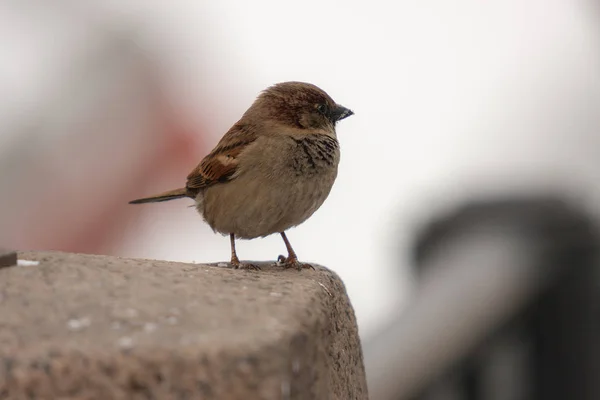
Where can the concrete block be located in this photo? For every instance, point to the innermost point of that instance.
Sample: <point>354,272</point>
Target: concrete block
<point>97,327</point>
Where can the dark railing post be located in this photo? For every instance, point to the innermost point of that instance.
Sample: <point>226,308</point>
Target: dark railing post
<point>506,308</point>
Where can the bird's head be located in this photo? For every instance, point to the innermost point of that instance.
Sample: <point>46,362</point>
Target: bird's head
<point>301,105</point>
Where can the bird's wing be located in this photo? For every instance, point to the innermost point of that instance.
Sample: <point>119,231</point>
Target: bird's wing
<point>221,164</point>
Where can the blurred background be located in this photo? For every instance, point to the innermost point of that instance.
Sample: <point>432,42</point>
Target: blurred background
<point>106,101</point>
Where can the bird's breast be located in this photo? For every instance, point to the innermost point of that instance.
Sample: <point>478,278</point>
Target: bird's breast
<point>280,189</point>
<point>313,154</point>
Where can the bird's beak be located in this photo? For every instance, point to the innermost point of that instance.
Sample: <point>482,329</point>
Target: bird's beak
<point>340,112</point>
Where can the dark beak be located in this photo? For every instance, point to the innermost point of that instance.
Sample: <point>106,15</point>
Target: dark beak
<point>340,112</point>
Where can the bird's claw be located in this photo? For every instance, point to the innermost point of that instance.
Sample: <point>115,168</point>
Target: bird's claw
<point>248,266</point>
<point>286,263</point>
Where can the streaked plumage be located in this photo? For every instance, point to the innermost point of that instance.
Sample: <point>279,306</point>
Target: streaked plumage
<point>272,170</point>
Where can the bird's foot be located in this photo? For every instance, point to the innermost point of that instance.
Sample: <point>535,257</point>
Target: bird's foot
<point>236,264</point>
<point>287,262</point>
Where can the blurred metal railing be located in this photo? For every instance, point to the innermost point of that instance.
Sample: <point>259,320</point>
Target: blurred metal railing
<point>506,309</point>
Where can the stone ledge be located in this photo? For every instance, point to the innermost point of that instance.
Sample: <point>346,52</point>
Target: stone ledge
<point>97,327</point>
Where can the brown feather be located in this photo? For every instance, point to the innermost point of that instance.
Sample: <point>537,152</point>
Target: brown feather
<point>221,164</point>
<point>165,196</point>
<point>291,110</point>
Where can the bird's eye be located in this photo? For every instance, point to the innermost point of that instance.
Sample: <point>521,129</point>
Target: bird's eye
<point>322,108</point>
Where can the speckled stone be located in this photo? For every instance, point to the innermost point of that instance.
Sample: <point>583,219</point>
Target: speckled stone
<point>96,327</point>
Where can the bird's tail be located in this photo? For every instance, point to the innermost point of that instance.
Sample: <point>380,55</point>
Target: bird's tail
<point>166,196</point>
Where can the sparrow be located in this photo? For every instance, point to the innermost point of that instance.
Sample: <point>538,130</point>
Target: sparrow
<point>271,171</point>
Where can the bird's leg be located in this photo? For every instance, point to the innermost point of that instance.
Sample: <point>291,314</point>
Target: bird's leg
<point>235,261</point>
<point>291,261</point>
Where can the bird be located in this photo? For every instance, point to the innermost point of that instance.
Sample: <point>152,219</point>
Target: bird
<point>270,171</point>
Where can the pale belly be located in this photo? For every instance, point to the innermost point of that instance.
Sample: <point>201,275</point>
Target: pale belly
<point>251,206</point>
